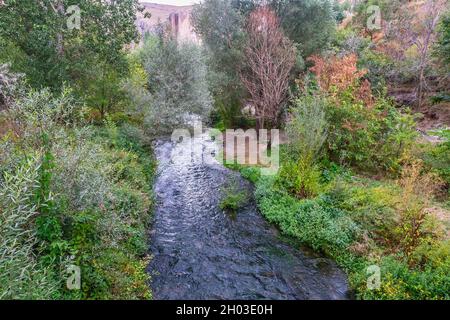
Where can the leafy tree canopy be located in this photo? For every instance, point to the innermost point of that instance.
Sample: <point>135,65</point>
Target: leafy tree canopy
<point>38,30</point>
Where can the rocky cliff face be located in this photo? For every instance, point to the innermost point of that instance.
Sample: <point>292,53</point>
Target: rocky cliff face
<point>177,17</point>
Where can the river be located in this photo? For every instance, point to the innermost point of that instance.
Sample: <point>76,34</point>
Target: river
<point>201,252</point>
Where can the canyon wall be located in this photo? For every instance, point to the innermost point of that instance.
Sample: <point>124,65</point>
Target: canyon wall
<point>177,17</point>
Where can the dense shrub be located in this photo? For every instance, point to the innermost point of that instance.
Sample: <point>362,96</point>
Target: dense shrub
<point>52,55</point>
<point>399,282</point>
<point>110,184</point>
<point>438,157</point>
<point>22,275</point>
<point>307,127</point>
<point>301,178</point>
<point>312,221</point>
<point>371,205</point>
<point>364,131</point>
<point>81,197</point>
<point>40,111</point>
<point>370,138</point>
<point>306,131</point>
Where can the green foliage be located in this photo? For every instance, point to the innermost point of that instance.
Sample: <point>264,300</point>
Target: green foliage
<point>228,112</point>
<point>84,197</point>
<point>442,49</point>
<point>332,171</point>
<point>348,41</point>
<point>35,39</point>
<point>379,65</point>
<point>311,24</point>
<point>177,84</point>
<point>22,276</point>
<point>251,173</point>
<point>48,223</point>
<point>307,128</point>
<point>371,206</point>
<point>43,111</point>
<point>314,222</point>
<point>233,198</point>
<point>109,204</point>
<point>379,68</point>
<point>300,178</point>
<point>72,193</point>
<point>40,31</point>
<point>9,53</point>
<point>355,222</point>
<point>339,9</point>
<point>135,88</point>
<point>306,131</point>
<point>399,282</point>
<point>440,97</point>
<point>101,87</point>
<point>361,222</point>
<point>220,26</point>
<point>369,137</point>
<point>438,158</point>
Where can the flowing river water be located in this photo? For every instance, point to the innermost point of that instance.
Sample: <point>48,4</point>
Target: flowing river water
<point>201,252</point>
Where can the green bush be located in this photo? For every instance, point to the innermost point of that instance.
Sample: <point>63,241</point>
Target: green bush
<point>227,112</point>
<point>379,68</point>
<point>22,274</point>
<point>370,205</point>
<point>438,158</point>
<point>82,197</point>
<point>233,198</point>
<point>442,47</point>
<point>312,221</point>
<point>306,131</point>
<point>307,128</point>
<point>370,138</point>
<point>324,228</point>
<point>40,111</point>
<point>300,178</point>
<point>251,173</point>
<point>400,282</point>
<point>116,191</point>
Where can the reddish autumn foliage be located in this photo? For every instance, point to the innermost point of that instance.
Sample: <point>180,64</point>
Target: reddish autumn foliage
<point>336,75</point>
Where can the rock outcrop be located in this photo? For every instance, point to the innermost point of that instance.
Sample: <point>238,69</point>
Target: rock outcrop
<point>177,17</point>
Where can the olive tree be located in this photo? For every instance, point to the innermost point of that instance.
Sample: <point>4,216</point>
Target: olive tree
<point>177,85</point>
